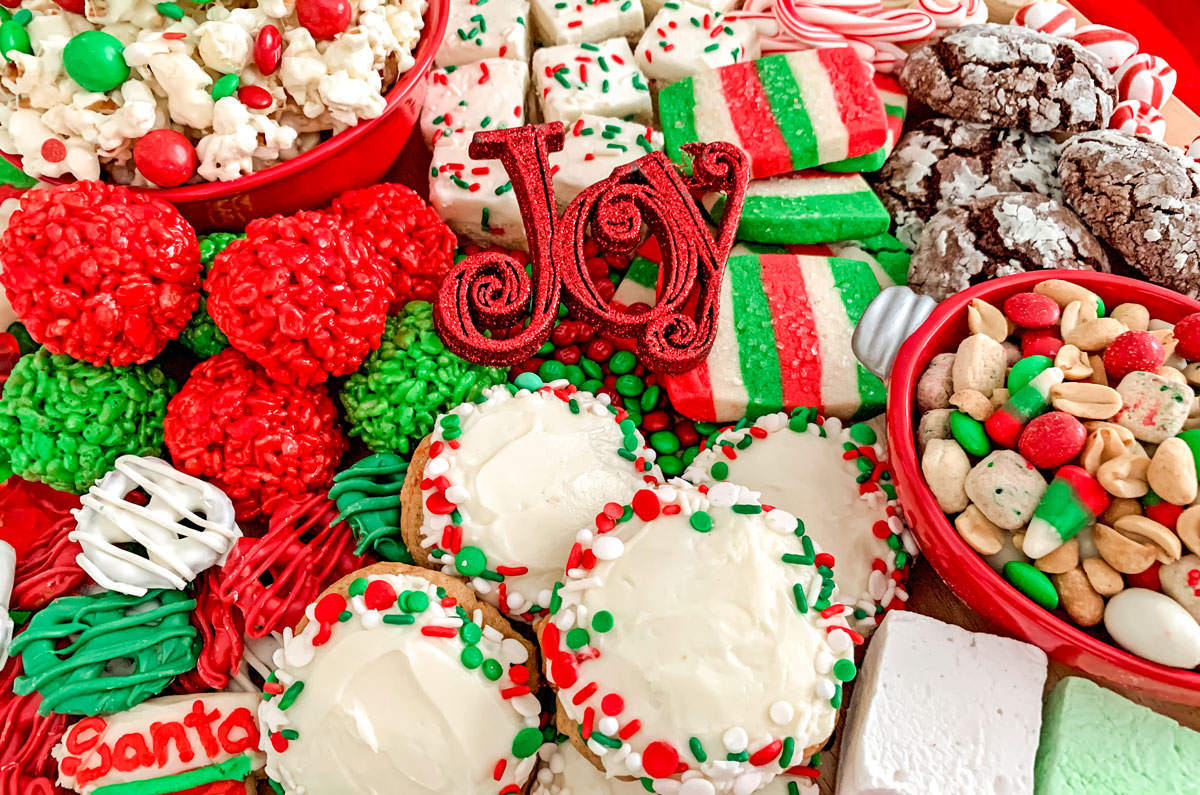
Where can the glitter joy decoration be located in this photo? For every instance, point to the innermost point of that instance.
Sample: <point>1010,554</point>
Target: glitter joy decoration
<point>491,291</point>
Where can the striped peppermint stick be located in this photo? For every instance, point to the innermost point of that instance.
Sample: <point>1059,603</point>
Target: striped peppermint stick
<point>788,112</point>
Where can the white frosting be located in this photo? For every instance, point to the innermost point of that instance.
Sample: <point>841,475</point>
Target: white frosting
<point>488,95</point>
<point>577,21</point>
<point>707,641</point>
<point>571,81</point>
<point>592,147</point>
<point>488,214</point>
<point>388,710</point>
<point>680,41</point>
<point>806,474</point>
<point>504,32</point>
<point>564,771</point>
<point>527,474</point>
<point>187,526</point>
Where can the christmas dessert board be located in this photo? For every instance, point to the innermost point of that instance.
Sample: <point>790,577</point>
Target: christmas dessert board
<point>564,467</point>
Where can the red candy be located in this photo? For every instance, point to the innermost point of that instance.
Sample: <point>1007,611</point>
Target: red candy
<point>300,296</point>
<point>1133,350</point>
<point>27,765</point>
<point>324,19</point>
<point>259,440</point>
<point>1032,310</point>
<point>660,759</point>
<point>220,628</point>
<point>74,6</point>
<point>406,232</point>
<point>268,49</point>
<point>1040,342</point>
<point>255,97</point>
<point>30,513</point>
<point>271,579</point>
<point>1187,335</point>
<point>1146,579</point>
<point>99,272</point>
<point>165,158</point>
<point>1052,439</point>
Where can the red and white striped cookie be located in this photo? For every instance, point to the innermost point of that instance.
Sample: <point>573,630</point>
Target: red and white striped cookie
<point>1136,117</point>
<point>1114,47</point>
<point>1052,19</point>
<point>1147,78</point>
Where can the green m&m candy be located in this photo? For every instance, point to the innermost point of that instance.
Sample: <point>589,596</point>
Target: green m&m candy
<point>13,36</point>
<point>96,60</point>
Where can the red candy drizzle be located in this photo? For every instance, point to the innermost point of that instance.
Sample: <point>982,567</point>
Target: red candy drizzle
<point>26,739</point>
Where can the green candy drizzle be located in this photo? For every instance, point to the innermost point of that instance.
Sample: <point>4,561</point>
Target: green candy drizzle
<point>368,498</point>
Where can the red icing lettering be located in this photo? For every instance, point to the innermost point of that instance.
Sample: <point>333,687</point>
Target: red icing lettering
<point>202,721</point>
<point>86,775</point>
<point>240,719</point>
<point>161,735</point>
<point>131,752</point>
<point>79,741</point>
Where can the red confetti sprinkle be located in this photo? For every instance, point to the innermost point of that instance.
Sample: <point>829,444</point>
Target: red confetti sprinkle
<point>54,150</point>
<point>646,505</point>
<point>379,595</point>
<point>660,759</point>
<point>99,272</point>
<point>258,440</point>
<point>612,704</point>
<point>301,296</point>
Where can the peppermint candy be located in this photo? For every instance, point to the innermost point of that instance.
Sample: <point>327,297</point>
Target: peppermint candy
<point>1049,18</point>
<point>1136,117</point>
<point>1193,150</point>
<point>1114,47</point>
<point>955,13</point>
<point>1147,78</point>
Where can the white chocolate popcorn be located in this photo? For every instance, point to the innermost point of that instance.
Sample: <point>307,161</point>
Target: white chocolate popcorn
<point>224,46</point>
<point>238,137</point>
<point>23,133</point>
<point>187,87</point>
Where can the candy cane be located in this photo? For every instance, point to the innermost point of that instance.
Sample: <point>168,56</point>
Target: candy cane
<point>1145,77</point>
<point>1114,47</point>
<point>902,25</point>
<point>1138,118</point>
<point>1044,17</point>
<point>951,14</point>
<point>1193,150</point>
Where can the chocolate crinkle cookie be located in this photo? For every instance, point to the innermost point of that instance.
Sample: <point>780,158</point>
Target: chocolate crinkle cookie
<point>943,163</point>
<point>1142,198</point>
<point>1011,76</point>
<point>996,236</point>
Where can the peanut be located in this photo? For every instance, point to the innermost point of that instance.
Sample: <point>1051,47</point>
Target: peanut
<point>1167,337</point>
<point>1171,374</point>
<point>1144,530</point>
<point>979,364</point>
<point>1126,435</point>
<point>1073,314</point>
<point>1078,597</point>
<point>1102,446</point>
<point>1065,558</point>
<point>1099,374</point>
<point>1135,316</point>
<point>1095,335</point>
<point>1086,401</point>
<point>1104,578</point>
<point>978,531</point>
<point>983,318</point>
<point>1118,507</point>
<point>1172,472</point>
<point>945,466</point>
<point>1073,362</point>
<point>1064,292</point>
<point>972,403</point>
<point>1125,475</point>
<point>1123,554</point>
<point>1188,528</point>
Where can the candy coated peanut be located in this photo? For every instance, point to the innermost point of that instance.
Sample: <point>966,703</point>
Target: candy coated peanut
<point>1032,310</point>
<point>1006,488</point>
<point>1154,626</point>
<point>969,433</point>
<point>1172,472</point>
<point>1052,439</point>
<point>979,364</point>
<point>979,533</point>
<point>1031,582</point>
<point>1133,350</point>
<point>1040,342</point>
<point>937,383</point>
<point>945,467</point>
<point>1187,337</point>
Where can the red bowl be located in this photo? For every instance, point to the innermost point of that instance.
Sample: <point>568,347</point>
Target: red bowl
<point>352,159</point>
<point>967,574</point>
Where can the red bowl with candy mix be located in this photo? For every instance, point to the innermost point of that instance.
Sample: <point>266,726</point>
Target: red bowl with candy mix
<point>354,158</point>
<point>966,572</point>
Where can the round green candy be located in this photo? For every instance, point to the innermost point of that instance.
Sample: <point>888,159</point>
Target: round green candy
<point>1192,440</point>
<point>575,375</point>
<point>629,385</point>
<point>670,465</point>
<point>526,743</point>
<point>863,433</point>
<point>96,60</point>
<point>470,561</point>
<point>169,10</point>
<point>1032,582</point>
<point>23,17</point>
<point>13,36</point>
<point>665,442</point>
<point>969,433</point>
<point>5,14</point>
<point>552,370</point>
<point>225,86</point>
<point>622,362</point>
<point>530,381</point>
<point>1024,371</point>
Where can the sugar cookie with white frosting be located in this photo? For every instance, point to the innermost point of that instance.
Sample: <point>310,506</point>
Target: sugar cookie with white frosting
<point>185,526</point>
<point>498,491</point>
<point>834,478</point>
<point>692,643</point>
<point>400,682</point>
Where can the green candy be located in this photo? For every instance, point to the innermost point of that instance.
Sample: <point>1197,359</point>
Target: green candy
<point>969,433</point>
<point>393,399</point>
<point>664,442</point>
<point>67,648</point>
<point>169,10</point>
<point>1025,369</point>
<point>224,87</point>
<point>96,60</point>
<point>5,15</point>
<point>671,466</point>
<point>13,36</point>
<point>1032,582</point>
<point>470,561</point>
<point>65,422</point>
<point>368,499</point>
<point>201,334</point>
<point>1192,440</point>
<point>11,175</point>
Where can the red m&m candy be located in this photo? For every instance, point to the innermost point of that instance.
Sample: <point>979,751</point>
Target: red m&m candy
<point>1133,350</point>
<point>268,49</point>
<point>1187,332</point>
<point>324,19</point>
<point>165,158</point>
<point>1040,342</point>
<point>1051,440</point>
<point>1032,310</point>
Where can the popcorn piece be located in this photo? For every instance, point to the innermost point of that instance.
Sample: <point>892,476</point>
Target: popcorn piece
<point>495,29</point>
<point>685,38</point>
<point>474,197</point>
<point>224,46</point>
<point>576,21</point>
<point>593,147</point>
<point>187,86</point>
<point>238,138</point>
<point>602,79</point>
<point>977,697</point>
<point>44,153</point>
<point>482,96</point>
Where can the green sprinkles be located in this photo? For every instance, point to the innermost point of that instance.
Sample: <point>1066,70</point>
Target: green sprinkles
<point>602,621</point>
<point>719,470</point>
<point>577,638</point>
<point>398,620</point>
<point>526,743</point>
<point>697,749</point>
<point>800,598</point>
<point>701,522</point>
<point>492,669</point>
<point>290,695</point>
<point>844,670</point>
